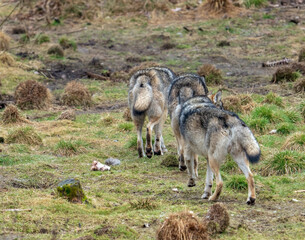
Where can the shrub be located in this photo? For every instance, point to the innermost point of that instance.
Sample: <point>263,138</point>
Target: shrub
<point>56,50</point>
<point>4,42</point>
<point>237,182</point>
<point>211,74</point>
<point>273,98</point>
<point>286,162</point>
<point>218,6</point>
<point>184,226</point>
<point>12,115</point>
<point>285,74</point>
<point>76,94</point>
<point>32,95</point>
<point>24,135</point>
<point>7,59</point>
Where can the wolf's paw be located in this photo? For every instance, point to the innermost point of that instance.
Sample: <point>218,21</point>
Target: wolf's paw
<point>149,152</point>
<point>191,183</point>
<point>206,195</point>
<point>158,152</point>
<point>212,199</point>
<point>182,168</point>
<point>251,201</point>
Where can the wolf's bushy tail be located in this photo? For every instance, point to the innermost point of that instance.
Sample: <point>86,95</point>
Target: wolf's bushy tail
<point>196,83</point>
<point>143,98</point>
<point>250,145</point>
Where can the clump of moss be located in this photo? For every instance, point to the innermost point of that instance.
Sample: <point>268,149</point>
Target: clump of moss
<point>42,38</point>
<point>67,115</point>
<point>295,142</point>
<point>12,115</point>
<point>285,74</point>
<point>24,135</point>
<point>217,219</point>
<point>76,94</point>
<point>143,65</point>
<point>32,95</point>
<point>56,50</point>
<point>211,74</point>
<point>66,43</point>
<point>273,98</point>
<point>170,161</point>
<point>299,86</point>
<point>146,203</point>
<point>302,55</point>
<point>127,115</point>
<point>287,162</point>
<point>4,42</point>
<point>237,182</point>
<point>7,59</point>
<point>71,189</point>
<point>182,225</point>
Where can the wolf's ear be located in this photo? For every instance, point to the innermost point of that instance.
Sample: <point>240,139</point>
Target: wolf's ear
<point>217,97</point>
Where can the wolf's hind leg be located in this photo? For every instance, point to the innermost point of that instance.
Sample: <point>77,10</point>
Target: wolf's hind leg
<point>139,124</point>
<point>150,126</point>
<point>189,158</point>
<point>243,164</point>
<point>214,164</point>
<point>208,182</point>
<point>158,139</point>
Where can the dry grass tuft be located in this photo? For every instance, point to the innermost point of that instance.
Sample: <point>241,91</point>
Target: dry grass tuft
<point>12,115</point>
<point>127,115</point>
<point>4,42</point>
<point>217,219</point>
<point>285,74</point>
<point>182,226</point>
<point>143,65</point>
<point>7,59</point>
<point>298,67</point>
<point>32,95</point>
<point>296,142</point>
<point>211,74</point>
<point>56,50</point>
<point>76,94</point>
<point>67,115</point>
<point>146,203</point>
<point>299,85</point>
<point>24,135</point>
<point>242,103</point>
<point>218,6</point>
<point>302,55</point>
<point>170,161</point>
<point>107,120</point>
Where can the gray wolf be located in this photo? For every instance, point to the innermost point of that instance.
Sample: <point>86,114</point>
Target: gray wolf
<point>147,96</point>
<point>215,133</point>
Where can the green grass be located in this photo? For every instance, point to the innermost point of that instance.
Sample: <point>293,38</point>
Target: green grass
<point>285,128</point>
<point>237,182</point>
<point>42,38</point>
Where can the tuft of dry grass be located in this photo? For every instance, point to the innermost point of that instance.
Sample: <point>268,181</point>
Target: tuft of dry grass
<point>7,59</point>
<point>4,42</point>
<point>232,103</point>
<point>285,74</point>
<point>182,226</point>
<point>295,142</point>
<point>32,95</point>
<point>12,115</point>
<point>299,85</point>
<point>146,203</point>
<point>170,161</point>
<point>211,74</point>
<point>302,55</point>
<point>56,50</point>
<point>218,6</point>
<point>76,94</point>
<point>24,135</point>
<point>127,115</point>
<point>67,115</point>
<point>143,65</point>
<point>217,219</point>
<point>298,67</point>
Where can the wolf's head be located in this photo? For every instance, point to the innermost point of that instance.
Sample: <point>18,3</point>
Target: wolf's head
<point>216,99</point>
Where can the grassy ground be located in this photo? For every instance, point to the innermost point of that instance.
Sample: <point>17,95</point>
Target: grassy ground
<point>139,191</point>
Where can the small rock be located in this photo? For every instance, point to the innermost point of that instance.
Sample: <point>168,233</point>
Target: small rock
<point>112,161</point>
<point>273,131</point>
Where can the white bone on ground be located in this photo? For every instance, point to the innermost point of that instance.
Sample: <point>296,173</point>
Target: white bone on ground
<point>97,166</point>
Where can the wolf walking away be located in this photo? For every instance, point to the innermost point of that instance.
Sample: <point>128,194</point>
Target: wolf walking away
<point>214,133</point>
<point>147,96</point>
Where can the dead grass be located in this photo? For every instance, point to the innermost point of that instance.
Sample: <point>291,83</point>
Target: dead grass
<point>182,226</point>
<point>24,135</point>
<point>127,115</point>
<point>12,115</point>
<point>302,55</point>
<point>298,67</point>
<point>217,7</point>
<point>7,59</point>
<point>143,65</point>
<point>217,219</point>
<point>146,203</point>
<point>242,103</point>
<point>56,50</point>
<point>67,115</point>
<point>76,94</point>
<point>295,142</point>
<point>299,85</point>
<point>4,42</point>
<point>170,161</point>
<point>211,74</point>
<point>285,74</point>
<point>32,95</point>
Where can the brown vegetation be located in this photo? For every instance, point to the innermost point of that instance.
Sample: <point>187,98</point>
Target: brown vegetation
<point>295,142</point>
<point>241,103</point>
<point>12,115</point>
<point>182,226</point>
<point>211,74</point>
<point>285,74</point>
<point>4,42</point>
<point>24,135</point>
<point>7,59</point>
<point>76,94</point>
<point>67,115</point>
<point>299,85</point>
<point>127,115</point>
<point>32,95</point>
<point>298,67</point>
<point>218,6</point>
<point>56,50</point>
<point>302,55</point>
<point>217,219</point>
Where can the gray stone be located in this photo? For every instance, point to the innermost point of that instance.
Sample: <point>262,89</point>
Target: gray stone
<point>112,161</point>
